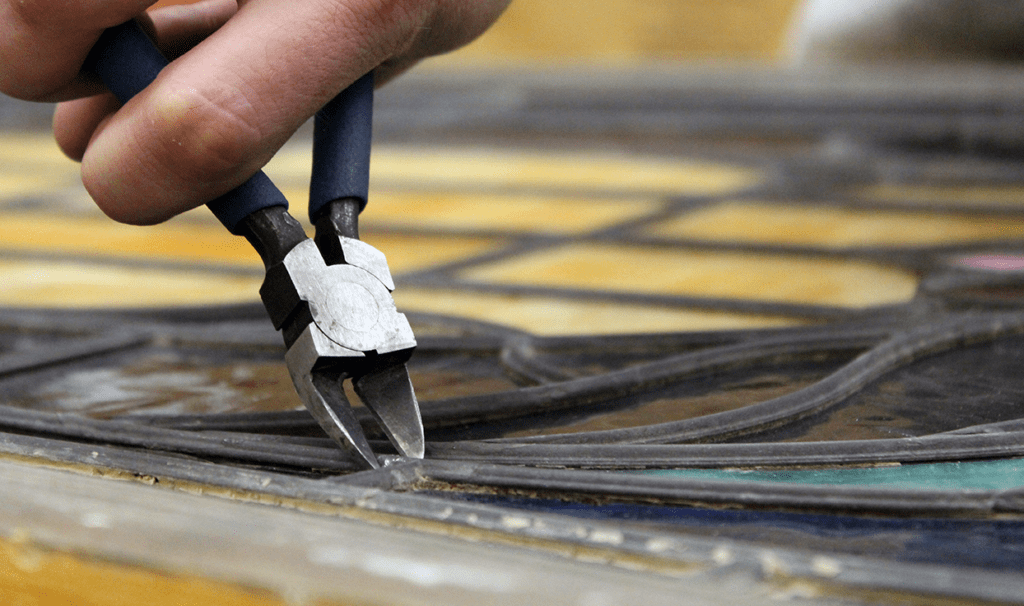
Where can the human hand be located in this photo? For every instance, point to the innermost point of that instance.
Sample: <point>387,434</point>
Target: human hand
<point>246,75</point>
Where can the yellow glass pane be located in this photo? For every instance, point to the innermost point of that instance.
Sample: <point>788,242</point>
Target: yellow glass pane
<point>415,252</point>
<point>966,196</point>
<point>83,285</point>
<point>556,316</point>
<point>832,227</point>
<point>576,171</point>
<point>34,150</point>
<point>501,212</point>
<point>32,165</point>
<point>297,196</point>
<point>471,168</point>
<point>98,235</point>
<point>779,278</point>
<point>432,209</point>
<point>18,185</point>
<point>205,241</point>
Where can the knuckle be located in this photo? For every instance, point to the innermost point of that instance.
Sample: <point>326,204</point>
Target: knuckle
<point>176,148</point>
<point>31,82</point>
<point>35,13</point>
<point>54,15</point>
<point>385,26</point>
<point>203,140</point>
<point>398,14</point>
<point>19,63</point>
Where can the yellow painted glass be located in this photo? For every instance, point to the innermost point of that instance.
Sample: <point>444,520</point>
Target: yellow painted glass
<point>407,253</point>
<point>778,278</point>
<point>502,212</point>
<point>559,316</point>
<point>19,150</point>
<point>31,164</point>
<point>96,235</point>
<point>186,240</point>
<point>488,211</point>
<point>459,168</point>
<point>74,284</point>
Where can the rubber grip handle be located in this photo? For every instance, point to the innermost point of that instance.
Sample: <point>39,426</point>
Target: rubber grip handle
<point>342,131</point>
<point>127,61</point>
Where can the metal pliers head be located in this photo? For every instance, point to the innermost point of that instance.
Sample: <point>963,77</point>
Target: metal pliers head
<point>331,299</point>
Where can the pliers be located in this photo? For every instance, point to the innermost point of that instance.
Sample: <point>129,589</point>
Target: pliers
<point>330,296</point>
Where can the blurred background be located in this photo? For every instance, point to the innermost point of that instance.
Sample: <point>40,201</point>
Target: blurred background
<point>623,32</point>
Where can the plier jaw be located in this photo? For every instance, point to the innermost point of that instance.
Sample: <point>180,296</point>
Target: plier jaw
<point>317,372</point>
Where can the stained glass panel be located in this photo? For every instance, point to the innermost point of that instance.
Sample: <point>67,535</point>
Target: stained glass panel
<point>723,326</point>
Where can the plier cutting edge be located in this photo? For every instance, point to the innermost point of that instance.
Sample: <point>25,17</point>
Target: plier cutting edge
<point>330,296</point>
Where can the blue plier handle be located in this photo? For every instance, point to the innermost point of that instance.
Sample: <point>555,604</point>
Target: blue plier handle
<point>331,296</point>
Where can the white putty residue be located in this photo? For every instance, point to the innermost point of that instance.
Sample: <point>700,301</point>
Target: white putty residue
<point>419,572</point>
<point>95,519</point>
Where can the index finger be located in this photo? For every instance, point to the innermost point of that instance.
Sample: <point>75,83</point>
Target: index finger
<point>218,113</point>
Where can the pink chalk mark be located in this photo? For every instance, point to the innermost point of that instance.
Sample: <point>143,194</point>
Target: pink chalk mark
<point>994,262</point>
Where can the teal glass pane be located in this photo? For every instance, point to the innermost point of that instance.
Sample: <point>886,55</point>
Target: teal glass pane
<point>968,475</point>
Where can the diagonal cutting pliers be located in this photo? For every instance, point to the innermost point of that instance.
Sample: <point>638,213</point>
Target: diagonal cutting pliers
<point>330,296</point>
